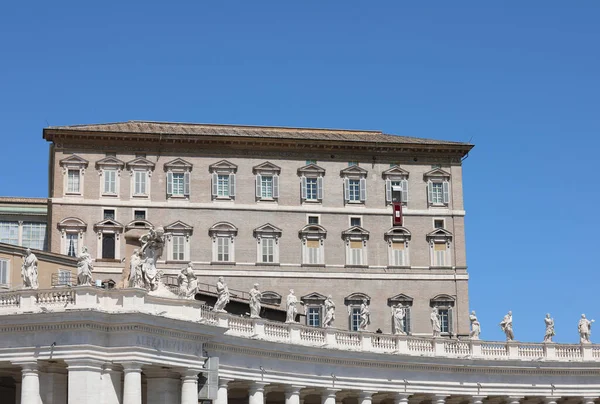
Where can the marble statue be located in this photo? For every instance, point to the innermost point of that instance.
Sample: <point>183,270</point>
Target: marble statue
<point>136,277</point>
<point>475,326</point>
<point>188,284</point>
<point>291,310</point>
<point>365,316</point>
<point>222,296</point>
<point>29,270</point>
<point>399,317</point>
<point>549,328</point>
<point>507,326</point>
<point>436,324</point>
<point>329,312</point>
<point>152,248</point>
<point>585,329</point>
<point>255,306</point>
<point>84,268</point>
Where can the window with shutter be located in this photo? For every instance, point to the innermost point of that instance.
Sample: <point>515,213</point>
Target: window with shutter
<point>363,189</point>
<point>110,182</point>
<point>3,272</point>
<point>169,183</point>
<point>438,187</point>
<point>223,180</point>
<point>231,185</point>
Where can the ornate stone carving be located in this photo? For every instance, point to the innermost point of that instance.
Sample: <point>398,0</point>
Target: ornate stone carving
<point>549,328</point>
<point>365,316</point>
<point>475,326</point>
<point>222,296</point>
<point>436,324</point>
<point>255,297</point>
<point>399,317</point>
<point>152,248</point>
<point>291,310</point>
<point>188,284</point>
<point>136,277</point>
<point>29,270</point>
<point>329,306</point>
<point>585,329</point>
<point>84,268</point>
<point>507,326</point>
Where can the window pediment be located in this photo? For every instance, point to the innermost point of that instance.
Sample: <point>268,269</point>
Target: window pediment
<point>442,300</point>
<point>270,297</point>
<point>398,233</point>
<point>72,223</point>
<point>267,230</point>
<point>353,171</point>
<point>178,164</point>
<point>314,297</point>
<point>311,170</point>
<point>140,163</point>
<point>400,299</point>
<point>74,161</point>
<point>436,173</point>
<point>222,228</point>
<point>179,227</point>
<point>108,224</point>
<point>313,230</point>
<point>395,172</point>
<point>110,162</point>
<point>439,235</point>
<point>223,166</point>
<point>139,224</point>
<point>266,168</point>
<point>355,232</point>
<point>357,298</point>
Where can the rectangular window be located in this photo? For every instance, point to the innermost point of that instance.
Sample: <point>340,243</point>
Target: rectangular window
<point>355,221</point>
<point>223,185</point>
<point>3,272</point>
<point>266,186</point>
<point>223,249</point>
<point>399,254</point>
<point>178,248</point>
<point>110,181</point>
<point>352,163</point>
<point>437,193</point>
<point>313,317</point>
<point>439,251</point>
<point>73,183</point>
<point>268,249</point>
<point>438,223</point>
<point>9,233</point>
<point>313,251</point>
<point>308,162</point>
<point>354,319</point>
<point>139,215</point>
<point>178,184</point>
<point>34,235</point>
<point>72,244</point>
<point>109,214</point>
<point>354,190</point>
<point>140,178</point>
<point>311,189</point>
<point>356,249</point>
<point>313,220</point>
<point>64,277</point>
<point>444,320</point>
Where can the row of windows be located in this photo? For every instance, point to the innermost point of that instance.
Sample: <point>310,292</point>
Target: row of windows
<point>223,177</point>
<point>25,234</point>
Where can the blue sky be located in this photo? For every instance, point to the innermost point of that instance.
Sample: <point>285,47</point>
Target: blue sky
<point>521,81</point>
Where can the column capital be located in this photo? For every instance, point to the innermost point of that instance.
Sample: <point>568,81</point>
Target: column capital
<point>132,366</point>
<point>402,398</point>
<point>551,399</point>
<point>189,374</point>
<point>366,394</point>
<point>439,398</point>
<point>257,386</point>
<point>589,399</point>
<point>30,366</point>
<point>330,391</point>
<point>84,364</point>
<point>293,388</point>
<point>514,399</point>
<point>224,381</point>
<point>477,399</point>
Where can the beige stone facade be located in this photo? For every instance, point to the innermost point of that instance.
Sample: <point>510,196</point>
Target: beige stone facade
<point>83,157</point>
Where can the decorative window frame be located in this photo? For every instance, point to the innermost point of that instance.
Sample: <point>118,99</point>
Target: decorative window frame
<point>178,228</point>
<point>437,175</point>
<point>353,301</point>
<point>314,300</point>
<point>223,229</point>
<point>406,302</point>
<point>266,169</point>
<point>178,166</point>
<point>140,164</point>
<point>267,231</point>
<point>110,163</point>
<point>313,232</point>
<point>7,265</point>
<point>356,234</point>
<point>445,302</point>
<point>393,174</point>
<point>71,225</point>
<point>271,298</point>
<point>139,224</point>
<point>223,167</point>
<point>311,171</point>
<point>354,172</point>
<point>73,162</point>
<point>133,210</point>
<point>398,235</point>
<point>108,226</point>
<point>440,236</point>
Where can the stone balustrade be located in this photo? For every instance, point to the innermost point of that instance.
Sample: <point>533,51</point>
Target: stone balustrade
<point>140,301</point>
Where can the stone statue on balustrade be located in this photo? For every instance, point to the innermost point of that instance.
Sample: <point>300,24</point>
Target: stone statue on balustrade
<point>136,276</point>
<point>329,307</point>
<point>84,268</point>
<point>29,270</point>
<point>585,329</point>
<point>365,316</point>
<point>255,300</point>
<point>475,326</point>
<point>549,328</point>
<point>152,248</point>
<point>222,296</point>
<point>436,324</point>
<point>290,307</point>
<point>188,284</point>
<point>399,317</point>
<point>507,326</point>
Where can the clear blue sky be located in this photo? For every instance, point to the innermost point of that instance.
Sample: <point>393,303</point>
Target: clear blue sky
<point>520,80</point>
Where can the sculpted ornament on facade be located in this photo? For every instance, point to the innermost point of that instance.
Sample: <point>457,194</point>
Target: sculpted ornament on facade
<point>255,297</point>
<point>475,326</point>
<point>136,277</point>
<point>29,270</point>
<point>549,328</point>
<point>365,316</point>
<point>436,325</point>
<point>188,284</point>
<point>507,327</point>
<point>222,296</point>
<point>399,317</point>
<point>152,248</point>
<point>84,268</point>
<point>329,306</point>
<point>585,329</point>
<point>291,310</point>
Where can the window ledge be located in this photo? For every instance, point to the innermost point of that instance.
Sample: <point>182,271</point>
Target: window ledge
<point>440,267</point>
<point>140,196</point>
<point>107,260</point>
<point>355,266</point>
<point>111,195</point>
<point>313,265</point>
<point>177,261</point>
<point>438,205</point>
<point>222,198</point>
<point>267,264</point>
<point>358,203</point>
<point>222,263</point>
<point>178,197</point>
<point>312,201</point>
<point>269,200</point>
<point>73,193</point>
<point>398,267</point>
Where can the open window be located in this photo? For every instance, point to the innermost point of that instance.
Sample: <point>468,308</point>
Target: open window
<point>72,233</point>
<point>108,232</point>
<point>396,185</point>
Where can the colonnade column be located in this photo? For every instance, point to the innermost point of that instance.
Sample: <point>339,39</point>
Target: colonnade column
<point>550,400</point>
<point>477,399</point>
<point>189,386</point>
<point>589,400</point>
<point>132,383</point>
<point>439,399</point>
<point>402,398</point>
<point>222,390</point>
<point>257,393</point>
<point>112,388</point>
<point>30,382</point>
<point>162,386</point>
<point>53,384</point>
<point>366,397</point>
<point>85,380</point>
<point>328,396</point>
<point>18,391</point>
<point>292,394</point>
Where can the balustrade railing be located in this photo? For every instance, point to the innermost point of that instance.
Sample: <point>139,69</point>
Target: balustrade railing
<point>312,335</point>
<point>421,346</point>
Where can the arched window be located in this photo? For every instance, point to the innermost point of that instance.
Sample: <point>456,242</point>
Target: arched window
<point>72,233</point>
<point>445,306</point>
<point>439,246</point>
<point>355,239</point>
<point>313,238</point>
<point>397,239</point>
<point>223,235</point>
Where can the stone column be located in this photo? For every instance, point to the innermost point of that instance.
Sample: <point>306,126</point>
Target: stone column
<point>514,399</point>
<point>85,380</point>
<point>402,398</point>
<point>18,391</point>
<point>256,393</point>
<point>222,390</point>
<point>439,399</point>
<point>366,397</point>
<point>112,388</point>
<point>589,400</point>
<point>53,385</point>
<point>328,396</point>
<point>30,383</point>
<point>551,400</point>
<point>477,399</point>
<point>189,386</point>
<point>162,386</point>
<point>292,394</point>
<point>132,389</point>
